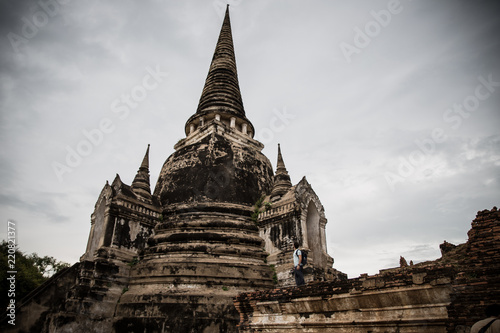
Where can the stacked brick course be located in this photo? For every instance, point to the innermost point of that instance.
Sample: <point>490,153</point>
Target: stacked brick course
<point>408,299</point>
<point>445,295</point>
<point>478,282</point>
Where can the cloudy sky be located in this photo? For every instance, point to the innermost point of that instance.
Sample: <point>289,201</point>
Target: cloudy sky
<point>389,108</point>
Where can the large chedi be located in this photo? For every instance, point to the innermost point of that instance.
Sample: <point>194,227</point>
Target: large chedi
<point>206,248</point>
<point>219,223</point>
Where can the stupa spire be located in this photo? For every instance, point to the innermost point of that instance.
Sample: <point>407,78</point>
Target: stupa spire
<point>221,94</point>
<point>140,186</point>
<point>282,182</point>
<point>281,164</point>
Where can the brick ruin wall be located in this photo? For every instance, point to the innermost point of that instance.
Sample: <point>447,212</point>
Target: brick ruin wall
<point>445,295</point>
<point>477,262</point>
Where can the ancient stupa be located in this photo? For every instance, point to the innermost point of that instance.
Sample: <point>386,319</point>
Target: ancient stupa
<point>219,223</point>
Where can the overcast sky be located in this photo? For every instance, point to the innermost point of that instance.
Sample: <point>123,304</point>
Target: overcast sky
<point>389,108</point>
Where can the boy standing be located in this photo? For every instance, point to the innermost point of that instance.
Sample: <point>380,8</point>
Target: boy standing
<point>297,266</point>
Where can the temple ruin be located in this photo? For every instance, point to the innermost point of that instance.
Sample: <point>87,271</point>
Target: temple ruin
<point>210,248</point>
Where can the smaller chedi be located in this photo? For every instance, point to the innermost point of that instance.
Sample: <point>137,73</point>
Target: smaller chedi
<point>295,213</point>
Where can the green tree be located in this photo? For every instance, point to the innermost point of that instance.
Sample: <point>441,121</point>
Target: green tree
<point>47,266</point>
<point>31,272</point>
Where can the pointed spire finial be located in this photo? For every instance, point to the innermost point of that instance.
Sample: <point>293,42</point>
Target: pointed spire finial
<point>145,160</point>
<point>221,93</point>
<point>222,89</point>
<point>280,164</point>
<point>140,185</point>
<point>282,182</point>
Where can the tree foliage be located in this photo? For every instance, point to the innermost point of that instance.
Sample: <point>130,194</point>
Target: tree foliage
<point>47,266</point>
<point>31,271</point>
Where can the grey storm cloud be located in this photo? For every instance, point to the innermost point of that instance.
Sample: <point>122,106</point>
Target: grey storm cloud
<point>355,118</point>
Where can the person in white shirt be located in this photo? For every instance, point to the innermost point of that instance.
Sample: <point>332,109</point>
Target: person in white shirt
<point>490,324</point>
<point>297,267</point>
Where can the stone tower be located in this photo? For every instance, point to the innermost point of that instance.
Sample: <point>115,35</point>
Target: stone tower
<point>219,223</point>
<point>205,249</point>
